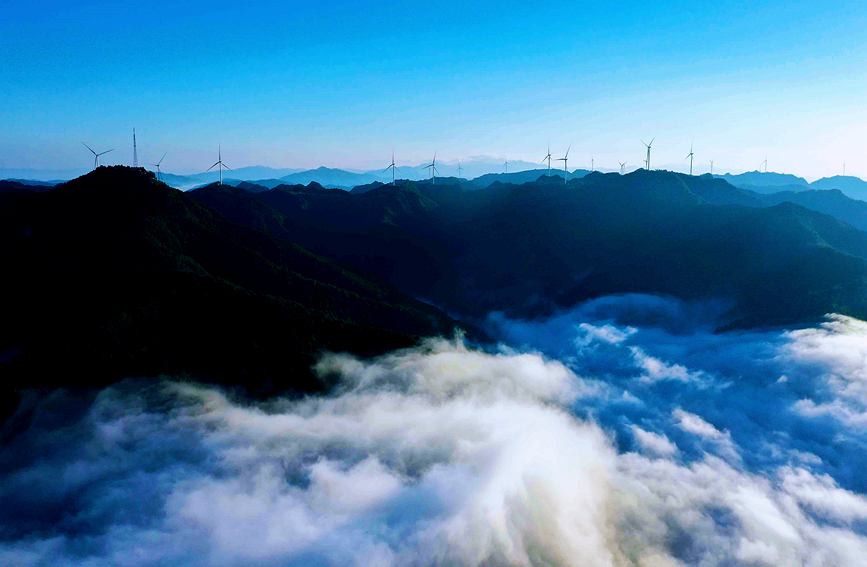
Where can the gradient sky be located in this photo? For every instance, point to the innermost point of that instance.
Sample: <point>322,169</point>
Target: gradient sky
<point>341,83</point>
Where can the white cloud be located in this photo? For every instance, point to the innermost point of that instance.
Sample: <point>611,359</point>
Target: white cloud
<point>655,370</point>
<point>837,350</point>
<point>609,334</point>
<point>447,455</point>
<point>654,443</point>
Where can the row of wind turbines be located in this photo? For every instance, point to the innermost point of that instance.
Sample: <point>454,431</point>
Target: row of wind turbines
<point>432,166</point>
<point>159,163</point>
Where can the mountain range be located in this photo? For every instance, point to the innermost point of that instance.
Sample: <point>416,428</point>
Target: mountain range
<point>532,248</point>
<point>116,274</point>
<point>764,182</point>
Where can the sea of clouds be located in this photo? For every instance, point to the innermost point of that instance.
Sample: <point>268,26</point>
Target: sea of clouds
<point>623,432</point>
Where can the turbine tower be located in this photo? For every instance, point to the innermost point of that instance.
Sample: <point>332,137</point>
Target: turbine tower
<point>565,160</point>
<point>548,157</point>
<point>134,150</point>
<point>157,165</point>
<point>392,167</point>
<point>711,167</point>
<point>506,166</point>
<point>460,169</point>
<point>592,165</point>
<point>432,166</point>
<point>647,161</point>
<point>220,163</point>
<point>844,169</point>
<point>622,166</point>
<point>689,157</point>
<point>96,155</point>
<point>765,163</point>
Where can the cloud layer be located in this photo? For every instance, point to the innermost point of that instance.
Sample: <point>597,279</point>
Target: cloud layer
<point>625,432</point>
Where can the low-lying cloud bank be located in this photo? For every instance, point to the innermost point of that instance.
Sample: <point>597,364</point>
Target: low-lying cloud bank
<point>622,433</point>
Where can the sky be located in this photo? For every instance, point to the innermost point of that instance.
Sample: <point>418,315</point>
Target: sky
<point>341,84</point>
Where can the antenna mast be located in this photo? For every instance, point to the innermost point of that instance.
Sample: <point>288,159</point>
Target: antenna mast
<point>134,150</point>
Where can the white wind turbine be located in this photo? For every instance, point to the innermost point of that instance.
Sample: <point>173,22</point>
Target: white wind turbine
<point>622,166</point>
<point>689,157</point>
<point>220,163</point>
<point>565,160</point>
<point>392,167</point>
<point>647,161</point>
<point>157,165</point>
<point>432,166</point>
<point>711,167</point>
<point>96,155</point>
<point>460,169</point>
<point>548,157</point>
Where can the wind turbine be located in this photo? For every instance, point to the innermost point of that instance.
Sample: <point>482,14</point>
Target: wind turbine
<point>220,163</point>
<point>647,161</point>
<point>157,165</point>
<point>844,169</point>
<point>392,167</point>
<point>433,169</point>
<point>506,166</point>
<point>96,155</point>
<point>565,160</point>
<point>711,167</point>
<point>548,157</point>
<point>689,157</point>
<point>460,169</point>
<point>765,163</point>
<point>622,166</point>
<point>592,164</point>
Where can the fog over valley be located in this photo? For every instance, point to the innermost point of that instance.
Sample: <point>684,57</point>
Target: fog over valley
<point>626,420</point>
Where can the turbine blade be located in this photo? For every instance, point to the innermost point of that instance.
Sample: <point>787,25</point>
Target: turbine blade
<point>89,148</point>
<point>227,167</point>
<point>212,167</point>
<point>164,157</point>
<point>105,152</point>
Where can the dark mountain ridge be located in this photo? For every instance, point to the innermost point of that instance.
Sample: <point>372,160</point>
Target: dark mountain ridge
<point>532,248</point>
<point>115,274</point>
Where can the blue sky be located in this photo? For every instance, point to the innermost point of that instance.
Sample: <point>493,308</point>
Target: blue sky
<point>342,83</point>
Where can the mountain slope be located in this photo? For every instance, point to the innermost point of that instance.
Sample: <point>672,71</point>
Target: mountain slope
<point>532,248</point>
<point>119,275</point>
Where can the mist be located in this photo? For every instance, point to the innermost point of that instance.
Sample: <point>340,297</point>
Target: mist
<point>623,432</point>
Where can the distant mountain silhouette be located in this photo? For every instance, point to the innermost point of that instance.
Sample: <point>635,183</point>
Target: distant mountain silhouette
<point>532,248</point>
<point>8,185</point>
<point>853,187</point>
<point>524,176</point>
<point>763,179</point>
<point>328,177</point>
<point>115,274</point>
